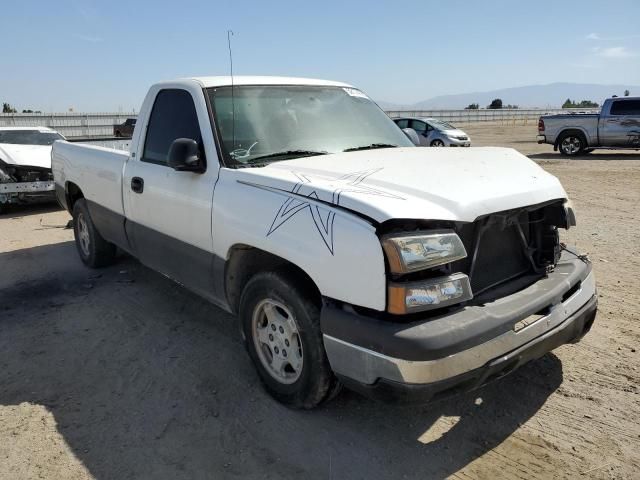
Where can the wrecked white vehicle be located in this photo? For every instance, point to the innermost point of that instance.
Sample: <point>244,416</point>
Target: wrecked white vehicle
<point>25,165</point>
<point>349,255</point>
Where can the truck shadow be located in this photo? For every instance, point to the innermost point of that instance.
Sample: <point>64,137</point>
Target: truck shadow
<point>146,380</point>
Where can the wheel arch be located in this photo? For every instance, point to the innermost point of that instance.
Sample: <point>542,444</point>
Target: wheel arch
<point>72,193</point>
<point>575,130</point>
<point>244,261</point>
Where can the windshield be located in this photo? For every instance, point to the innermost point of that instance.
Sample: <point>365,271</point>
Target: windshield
<point>29,137</point>
<point>440,125</point>
<point>279,122</point>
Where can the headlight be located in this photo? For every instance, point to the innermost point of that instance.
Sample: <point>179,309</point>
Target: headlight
<point>428,294</point>
<point>408,253</point>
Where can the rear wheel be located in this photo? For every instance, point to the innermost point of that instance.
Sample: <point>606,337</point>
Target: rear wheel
<point>572,144</point>
<point>437,143</point>
<point>281,327</point>
<point>94,250</point>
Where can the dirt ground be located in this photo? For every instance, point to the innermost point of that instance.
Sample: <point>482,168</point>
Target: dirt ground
<point>119,373</point>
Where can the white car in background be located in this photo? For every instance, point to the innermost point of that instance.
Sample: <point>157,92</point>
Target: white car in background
<point>435,133</point>
<point>25,164</point>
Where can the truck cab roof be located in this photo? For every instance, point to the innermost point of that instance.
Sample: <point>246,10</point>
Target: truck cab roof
<point>223,81</point>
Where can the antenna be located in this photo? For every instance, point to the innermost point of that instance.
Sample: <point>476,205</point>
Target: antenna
<point>233,107</point>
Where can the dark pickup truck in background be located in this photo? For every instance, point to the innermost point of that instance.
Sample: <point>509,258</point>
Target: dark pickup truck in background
<point>124,129</point>
<point>616,126</point>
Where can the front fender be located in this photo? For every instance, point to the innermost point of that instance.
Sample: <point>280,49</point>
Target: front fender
<point>337,249</point>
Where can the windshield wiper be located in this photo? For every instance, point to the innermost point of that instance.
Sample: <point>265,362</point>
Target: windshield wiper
<point>370,147</point>
<point>287,153</point>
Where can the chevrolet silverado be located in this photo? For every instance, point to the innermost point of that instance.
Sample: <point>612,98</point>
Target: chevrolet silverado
<point>350,256</point>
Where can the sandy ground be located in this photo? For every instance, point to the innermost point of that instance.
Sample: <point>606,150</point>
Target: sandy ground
<point>119,373</point>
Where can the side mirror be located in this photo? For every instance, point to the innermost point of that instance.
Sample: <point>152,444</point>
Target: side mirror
<point>413,135</point>
<point>184,155</point>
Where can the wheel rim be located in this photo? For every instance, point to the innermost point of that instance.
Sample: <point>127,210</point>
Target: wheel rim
<point>571,145</point>
<point>438,143</point>
<point>277,341</point>
<point>83,234</point>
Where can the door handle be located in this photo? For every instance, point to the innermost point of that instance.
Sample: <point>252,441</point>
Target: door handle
<point>137,184</point>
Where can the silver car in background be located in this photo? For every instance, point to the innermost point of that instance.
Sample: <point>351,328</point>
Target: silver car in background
<point>435,133</point>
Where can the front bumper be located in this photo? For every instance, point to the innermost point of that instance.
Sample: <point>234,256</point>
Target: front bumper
<point>464,349</point>
<point>454,142</point>
<point>26,192</point>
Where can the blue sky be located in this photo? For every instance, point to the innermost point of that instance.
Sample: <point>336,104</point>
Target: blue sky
<point>102,56</point>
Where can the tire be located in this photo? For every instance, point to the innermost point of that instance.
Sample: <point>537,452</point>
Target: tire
<point>301,377</point>
<point>437,143</point>
<point>94,251</point>
<point>571,144</point>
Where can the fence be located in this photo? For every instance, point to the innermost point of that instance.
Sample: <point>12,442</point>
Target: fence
<point>499,115</point>
<point>97,125</point>
<point>71,125</point>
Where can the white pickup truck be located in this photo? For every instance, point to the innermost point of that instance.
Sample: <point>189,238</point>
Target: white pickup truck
<point>349,256</point>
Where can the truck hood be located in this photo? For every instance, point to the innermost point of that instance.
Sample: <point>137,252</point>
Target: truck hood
<point>26,155</point>
<point>413,183</point>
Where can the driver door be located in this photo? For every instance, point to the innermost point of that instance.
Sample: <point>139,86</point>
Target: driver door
<point>169,212</point>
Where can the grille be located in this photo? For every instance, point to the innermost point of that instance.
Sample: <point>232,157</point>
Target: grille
<point>499,257</point>
<point>503,247</point>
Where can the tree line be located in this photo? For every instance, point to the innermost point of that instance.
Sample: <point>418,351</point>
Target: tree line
<point>496,103</point>
<point>7,108</point>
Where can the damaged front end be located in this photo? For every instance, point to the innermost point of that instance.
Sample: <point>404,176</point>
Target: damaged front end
<point>502,253</point>
<point>24,184</point>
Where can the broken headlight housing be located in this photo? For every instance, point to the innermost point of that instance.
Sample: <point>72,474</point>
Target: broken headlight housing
<point>5,174</point>
<point>419,251</point>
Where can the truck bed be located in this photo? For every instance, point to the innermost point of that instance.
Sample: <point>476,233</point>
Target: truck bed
<point>587,123</point>
<point>97,169</point>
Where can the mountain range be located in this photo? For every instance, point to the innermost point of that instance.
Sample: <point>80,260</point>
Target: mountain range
<point>552,95</point>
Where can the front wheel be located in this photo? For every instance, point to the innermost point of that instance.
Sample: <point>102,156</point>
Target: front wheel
<point>572,144</point>
<point>437,143</point>
<point>281,327</point>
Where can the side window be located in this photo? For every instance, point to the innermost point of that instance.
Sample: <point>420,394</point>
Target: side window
<point>625,107</point>
<point>418,126</point>
<point>173,116</point>
<point>403,123</point>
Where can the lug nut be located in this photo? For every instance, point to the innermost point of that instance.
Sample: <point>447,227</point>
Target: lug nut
<point>271,338</point>
<point>284,353</point>
<point>286,342</point>
<point>275,349</point>
<point>281,330</point>
<point>273,327</point>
